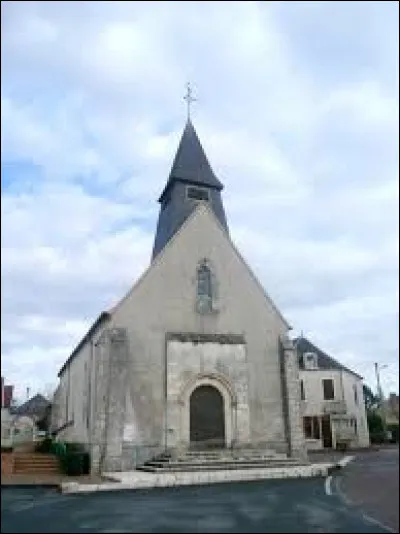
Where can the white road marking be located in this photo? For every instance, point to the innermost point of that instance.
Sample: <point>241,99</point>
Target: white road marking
<point>328,485</point>
<point>341,493</point>
<point>344,461</point>
<point>378,523</point>
<point>351,504</point>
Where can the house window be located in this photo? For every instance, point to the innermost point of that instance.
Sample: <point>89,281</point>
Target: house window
<point>204,288</point>
<point>302,392</point>
<point>197,193</point>
<point>355,394</point>
<point>311,427</point>
<point>329,392</point>
<point>310,360</point>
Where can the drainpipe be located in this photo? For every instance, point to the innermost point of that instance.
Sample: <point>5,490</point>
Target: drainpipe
<point>165,394</point>
<point>68,393</point>
<point>89,423</point>
<point>103,450</point>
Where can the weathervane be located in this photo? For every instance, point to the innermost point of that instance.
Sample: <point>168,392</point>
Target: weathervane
<point>189,98</point>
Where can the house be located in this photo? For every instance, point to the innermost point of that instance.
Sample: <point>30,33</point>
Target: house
<point>391,409</point>
<point>20,424</point>
<point>37,408</point>
<point>195,355</point>
<point>332,400</point>
<point>6,394</point>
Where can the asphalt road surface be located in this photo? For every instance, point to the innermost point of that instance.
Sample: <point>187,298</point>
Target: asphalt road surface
<point>300,505</point>
<point>371,483</point>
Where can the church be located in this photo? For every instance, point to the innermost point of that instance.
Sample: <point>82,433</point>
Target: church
<point>195,356</point>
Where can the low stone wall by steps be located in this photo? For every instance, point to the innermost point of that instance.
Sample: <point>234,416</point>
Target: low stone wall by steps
<point>7,463</point>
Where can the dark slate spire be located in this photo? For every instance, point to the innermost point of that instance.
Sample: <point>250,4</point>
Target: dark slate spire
<point>190,169</point>
<point>191,163</point>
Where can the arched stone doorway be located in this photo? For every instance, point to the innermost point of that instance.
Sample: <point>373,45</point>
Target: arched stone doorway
<point>207,418</point>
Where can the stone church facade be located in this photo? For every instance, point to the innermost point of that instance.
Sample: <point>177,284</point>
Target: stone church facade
<point>196,355</point>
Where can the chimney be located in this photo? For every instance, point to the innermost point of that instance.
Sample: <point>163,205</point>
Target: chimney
<point>2,392</point>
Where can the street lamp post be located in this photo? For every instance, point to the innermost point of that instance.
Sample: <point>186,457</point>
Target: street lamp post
<point>380,394</point>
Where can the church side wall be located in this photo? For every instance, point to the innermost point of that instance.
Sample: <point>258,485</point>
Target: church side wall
<point>164,301</point>
<point>77,394</point>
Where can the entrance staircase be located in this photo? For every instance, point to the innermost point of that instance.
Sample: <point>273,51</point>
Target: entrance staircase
<point>216,460</point>
<point>36,463</point>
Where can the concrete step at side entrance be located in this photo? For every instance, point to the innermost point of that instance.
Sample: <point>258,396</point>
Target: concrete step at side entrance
<point>206,467</point>
<point>35,463</point>
<point>238,463</point>
<point>219,460</point>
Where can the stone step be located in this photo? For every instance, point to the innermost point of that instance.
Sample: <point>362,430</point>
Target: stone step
<point>237,456</point>
<point>31,463</point>
<point>35,458</point>
<point>50,459</point>
<point>212,467</point>
<point>213,452</point>
<point>39,463</point>
<point>35,469</point>
<point>194,459</point>
<point>268,463</point>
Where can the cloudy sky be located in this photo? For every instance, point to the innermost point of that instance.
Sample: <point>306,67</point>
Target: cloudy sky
<point>298,111</point>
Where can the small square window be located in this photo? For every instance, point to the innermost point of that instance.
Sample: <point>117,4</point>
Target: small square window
<point>310,360</point>
<point>197,193</point>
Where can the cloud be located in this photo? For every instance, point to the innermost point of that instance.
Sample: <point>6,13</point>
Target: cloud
<point>298,112</point>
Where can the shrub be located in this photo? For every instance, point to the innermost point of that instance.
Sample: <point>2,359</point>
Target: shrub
<point>44,446</point>
<point>393,428</point>
<point>75,447</point>
<point>375,423</point>
<point>74,459</point>
<point>6,449</point>
<point>377,437</point>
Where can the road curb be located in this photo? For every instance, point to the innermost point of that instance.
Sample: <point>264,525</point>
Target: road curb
<point>138,480</point>
<point>53,485</point>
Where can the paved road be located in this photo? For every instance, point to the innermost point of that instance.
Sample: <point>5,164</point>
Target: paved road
<point>371,483</point>
<point>262,506</point>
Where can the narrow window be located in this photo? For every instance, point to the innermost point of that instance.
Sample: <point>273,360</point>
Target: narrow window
<point>204,288</point>
<point>302,392</point>
<point>315,428</point>
<point>355,394</point>
<point>307,427</point>
<point>329,393</point>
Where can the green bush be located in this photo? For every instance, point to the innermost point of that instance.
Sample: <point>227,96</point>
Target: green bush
<point>73,457</point>
<point>377,437</point>
<point>44,446</point>
<point>75,447</point>
<point>74,464</point>
<point>375,423</point>
<point>394,429</point>
<point>7,449</point>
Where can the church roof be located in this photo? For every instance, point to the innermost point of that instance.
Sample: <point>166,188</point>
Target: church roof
<point>191,163</point>
<point>325,361</point>
<point>35,406</point>
<point>100,320</point>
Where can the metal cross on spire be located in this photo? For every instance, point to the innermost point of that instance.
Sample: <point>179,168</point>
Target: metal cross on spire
<point>189,98</point>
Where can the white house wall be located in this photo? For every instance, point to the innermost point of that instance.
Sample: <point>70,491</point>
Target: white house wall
<point>314,402</point>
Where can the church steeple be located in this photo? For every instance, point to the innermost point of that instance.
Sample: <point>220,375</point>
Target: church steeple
<point>191,163</point>
<point>191,180</point>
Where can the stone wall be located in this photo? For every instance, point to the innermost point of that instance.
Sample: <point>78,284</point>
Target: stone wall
<point>291,398</point>
<point>218,363</point>
<point>164,300</point>
<point>7,463</point>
